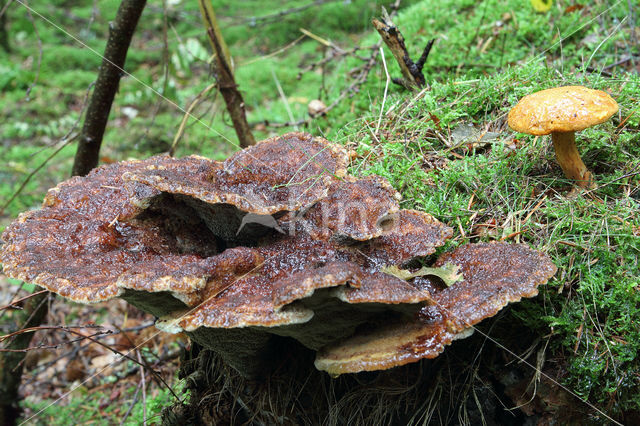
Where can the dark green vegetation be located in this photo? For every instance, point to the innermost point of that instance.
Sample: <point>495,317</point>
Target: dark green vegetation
<point>489,54</point>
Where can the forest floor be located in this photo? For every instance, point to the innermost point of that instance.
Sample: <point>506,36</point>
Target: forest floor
<point>446,148</point>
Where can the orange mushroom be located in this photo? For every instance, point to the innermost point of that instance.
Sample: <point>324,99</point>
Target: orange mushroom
<point>562,111</point>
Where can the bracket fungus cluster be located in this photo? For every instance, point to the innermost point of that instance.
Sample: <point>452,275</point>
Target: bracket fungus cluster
<point>561,112</point>
<point>278,240</point>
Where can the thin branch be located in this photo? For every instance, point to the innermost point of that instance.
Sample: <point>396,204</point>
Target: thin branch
<point>274,17</point>
<point>67,328</point>
<point>285,101</point>
<point>224,76</point>
<point>144,392</point>
<point>386,88</point>
<point>56,345</point>
<point>358,75</point>
<point>4,34</point>
<point>35,310</point>
<point>65,140</point>
<point>13,304</point>
<point>425,54</point>
<point>196,101</point>
<point>75,350</point>
<point>133,403</point>
<point>413,78</point>
<point>120,34</point>
<point>144,363</point>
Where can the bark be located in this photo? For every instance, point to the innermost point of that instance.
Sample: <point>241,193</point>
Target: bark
<point>120,34</point>
<point>224,77</point>
<point>12,363</point>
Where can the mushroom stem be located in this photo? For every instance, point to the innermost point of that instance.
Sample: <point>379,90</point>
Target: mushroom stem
<point>569,159</point>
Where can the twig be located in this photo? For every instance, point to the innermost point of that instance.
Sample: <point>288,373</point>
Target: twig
<point>255,20</point>
<point>66,139</point>
<point>386,87</point>
<point>144,392</point>
<point>34,312</point>
<point>334,55</point>
<point>165,71</point>
<point>133,403</point>
<point>115,54</point>
<point>4,34</point>
<point>33,173</point>
<point>274,53</point>
<point>35,30</point>
<point>12,304</point>
<point>144,363</point>
<point>320,39</point>
<point>57,345</point>
<point>15,294</point>
<point>67,328</point>
<point>632,36</point>
<point>84,346</point>
<point>224,76</point>
<point>196,101</point>
<point>284,98</point>
<point>5,7</point>
<point>413,78</point>
<point>358,75</point>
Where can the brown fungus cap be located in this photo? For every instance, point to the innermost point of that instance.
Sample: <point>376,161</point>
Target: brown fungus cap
<point>161,229</point>
<point>414,234</point>
<point>353,210</point>
<point>495,274</point>
<point>240,199</point>
<point>562,109</point>
<point>78,246</point>
<point>293,269</point>
<point>279,174</point>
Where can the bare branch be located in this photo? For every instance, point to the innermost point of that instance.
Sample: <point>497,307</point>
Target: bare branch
<point>120,34</point>
<point>224,76</point>
<point>412,76</point>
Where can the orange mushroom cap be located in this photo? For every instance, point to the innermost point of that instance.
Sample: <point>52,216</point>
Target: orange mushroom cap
<point>562,109</point>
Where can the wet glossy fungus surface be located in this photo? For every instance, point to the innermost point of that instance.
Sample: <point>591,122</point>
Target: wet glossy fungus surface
<point>293,269</point>
<point>354,209</point>
<point>78,248</point>
<point>414,234</point>
<point>279,174</point>
<point>495,274</point>
<point>172,227</point>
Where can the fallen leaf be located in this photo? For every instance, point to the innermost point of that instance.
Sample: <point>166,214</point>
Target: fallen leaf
<point>449,273</point>
<point>541,5</point>
<point>573,8</point>
<point>467,134</point>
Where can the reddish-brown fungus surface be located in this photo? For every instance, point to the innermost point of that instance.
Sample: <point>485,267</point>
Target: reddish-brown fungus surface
<point>78,244</point>
<point>495,274</point>
<point>356,209</point>
<point>312,265</point>
<point>278,174</point>
<point>293,268</point>
<point>414,234</point>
